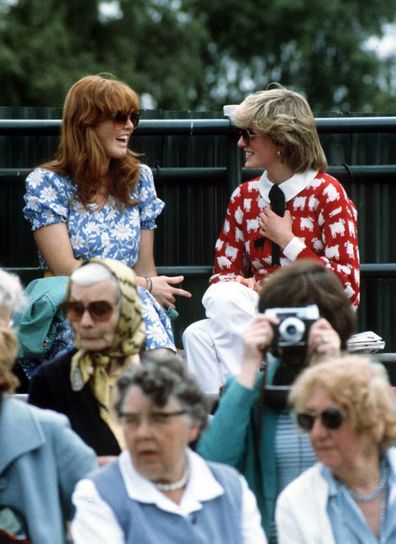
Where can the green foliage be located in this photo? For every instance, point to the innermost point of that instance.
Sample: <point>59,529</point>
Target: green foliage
<point>198,54</point>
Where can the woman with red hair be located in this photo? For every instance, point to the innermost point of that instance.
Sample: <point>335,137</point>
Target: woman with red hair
<point>96,199</point>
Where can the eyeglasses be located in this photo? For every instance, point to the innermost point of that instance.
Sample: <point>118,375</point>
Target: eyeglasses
<point>121,118</point>
<point>99,310</point>
<point>332,418</point>
<point>155,419</point>
<point>246,135</point>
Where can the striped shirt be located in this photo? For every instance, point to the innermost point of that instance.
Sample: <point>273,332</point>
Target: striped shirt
<point>293,455</point>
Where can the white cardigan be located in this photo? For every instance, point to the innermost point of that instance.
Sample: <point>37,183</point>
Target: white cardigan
<point>301,510</point>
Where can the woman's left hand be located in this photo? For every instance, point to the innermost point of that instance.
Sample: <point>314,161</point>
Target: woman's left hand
<point>276,228</point>
<point>323,339</point>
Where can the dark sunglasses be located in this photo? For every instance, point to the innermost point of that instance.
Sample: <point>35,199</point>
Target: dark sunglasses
<point>99,310</point>
<point>331,418</point>
<point>246,135</point>
<point>121,118</point>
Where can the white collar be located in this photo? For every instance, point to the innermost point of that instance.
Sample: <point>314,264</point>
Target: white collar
<point>291,187</point>
<point>201,486</point>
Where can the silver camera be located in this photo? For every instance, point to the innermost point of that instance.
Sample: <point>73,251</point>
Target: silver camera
<point>294,324</point>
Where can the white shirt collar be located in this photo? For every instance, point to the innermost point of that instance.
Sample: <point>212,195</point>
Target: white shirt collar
<point>291,187</point>
<point>201,486</point>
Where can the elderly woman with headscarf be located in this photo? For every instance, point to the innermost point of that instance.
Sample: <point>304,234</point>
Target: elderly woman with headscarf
<point>348,409</point>
<point>159,491</point>
<point>104,308</point>
<point>41,458</point>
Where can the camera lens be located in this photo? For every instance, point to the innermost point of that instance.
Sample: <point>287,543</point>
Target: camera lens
<point>291,330</point>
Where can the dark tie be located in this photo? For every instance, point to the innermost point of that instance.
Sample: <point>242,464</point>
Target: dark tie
<point>277,200</point>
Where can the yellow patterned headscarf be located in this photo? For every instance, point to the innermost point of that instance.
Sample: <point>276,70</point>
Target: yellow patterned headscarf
<point>128,341</point>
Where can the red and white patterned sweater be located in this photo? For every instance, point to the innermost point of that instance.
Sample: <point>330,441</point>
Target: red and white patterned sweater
<point>324,224</point>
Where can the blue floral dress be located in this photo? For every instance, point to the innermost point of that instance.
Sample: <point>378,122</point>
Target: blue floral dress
<point>108,232</point>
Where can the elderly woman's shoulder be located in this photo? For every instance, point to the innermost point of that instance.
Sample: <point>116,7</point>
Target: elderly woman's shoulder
<point>21,412</point>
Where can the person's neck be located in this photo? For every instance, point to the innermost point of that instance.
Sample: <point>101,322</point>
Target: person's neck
<point>279,174</point>
<point>114,365</point>
<point>175,495</point>
<point>364,476</point>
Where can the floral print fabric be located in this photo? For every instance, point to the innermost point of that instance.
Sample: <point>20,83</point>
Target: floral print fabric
<point>108,232</point>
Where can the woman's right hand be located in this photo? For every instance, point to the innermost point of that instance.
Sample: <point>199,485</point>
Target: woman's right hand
<point>256,340</point>
<point>164,290</point>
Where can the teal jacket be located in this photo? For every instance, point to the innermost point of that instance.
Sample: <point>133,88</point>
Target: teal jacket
<point>41,461</point>
<point>36,324</point>
<point>232,439</point>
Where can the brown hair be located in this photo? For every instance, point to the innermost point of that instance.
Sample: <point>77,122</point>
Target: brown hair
<point>286,117</point>
<point>309,282</point>
<point>360,387</point>
<point>89,101</point>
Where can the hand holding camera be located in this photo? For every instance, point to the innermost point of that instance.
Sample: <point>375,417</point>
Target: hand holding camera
<point>323,340</point>
<point>303,326</point>
<point>256,339</point>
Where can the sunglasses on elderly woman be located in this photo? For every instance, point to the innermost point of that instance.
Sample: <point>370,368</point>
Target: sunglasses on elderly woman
<point>121,117</point>
<point>246,135</point>
<point>99,310</point>
<point>332,418</point>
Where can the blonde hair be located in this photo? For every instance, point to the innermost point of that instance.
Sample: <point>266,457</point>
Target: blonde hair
<point>360,387</point>
<point>8,353</point>
<point>286,117</point>
<point>80,154</point>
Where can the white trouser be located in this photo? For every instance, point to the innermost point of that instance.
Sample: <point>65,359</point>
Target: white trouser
<point>213,346</point>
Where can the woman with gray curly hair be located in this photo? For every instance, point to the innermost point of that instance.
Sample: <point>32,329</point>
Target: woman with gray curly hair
<point>349,410</point>
<point>159,490</point>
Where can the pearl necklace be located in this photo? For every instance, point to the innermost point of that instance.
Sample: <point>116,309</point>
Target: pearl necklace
<point>174,486</point>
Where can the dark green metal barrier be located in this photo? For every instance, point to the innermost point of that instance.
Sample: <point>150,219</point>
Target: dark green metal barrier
<point>196,165</point>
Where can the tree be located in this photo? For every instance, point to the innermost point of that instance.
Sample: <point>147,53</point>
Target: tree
<point>315,47</point>
<point>198,54</point>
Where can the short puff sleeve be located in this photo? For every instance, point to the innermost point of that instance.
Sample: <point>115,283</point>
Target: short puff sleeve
<point>150,206</point>
<point>47,198</point>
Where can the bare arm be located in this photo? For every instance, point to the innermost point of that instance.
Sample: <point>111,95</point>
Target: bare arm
<point>53,242</point>
<point>163,286</point>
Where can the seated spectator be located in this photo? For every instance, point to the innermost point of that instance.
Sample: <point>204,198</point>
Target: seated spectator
<point>96,199</point>
<point>104,308</point>
<point>41,458</point>
<point>294,211</point>
<point>347,408</point>
<point>252,429</point>
<point>12,299</point>
<point>159,490</point>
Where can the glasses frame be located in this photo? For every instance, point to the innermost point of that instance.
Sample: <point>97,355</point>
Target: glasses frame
<point>75,315</point>
<point>156,419</point>
<point>121,118</point>
<point>246,135</point>
<point>331,418</point>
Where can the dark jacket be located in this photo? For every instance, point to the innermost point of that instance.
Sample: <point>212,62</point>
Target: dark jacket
<point>50,387</point>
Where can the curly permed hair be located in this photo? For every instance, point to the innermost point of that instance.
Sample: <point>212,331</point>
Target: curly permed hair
<point>160,380</point>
